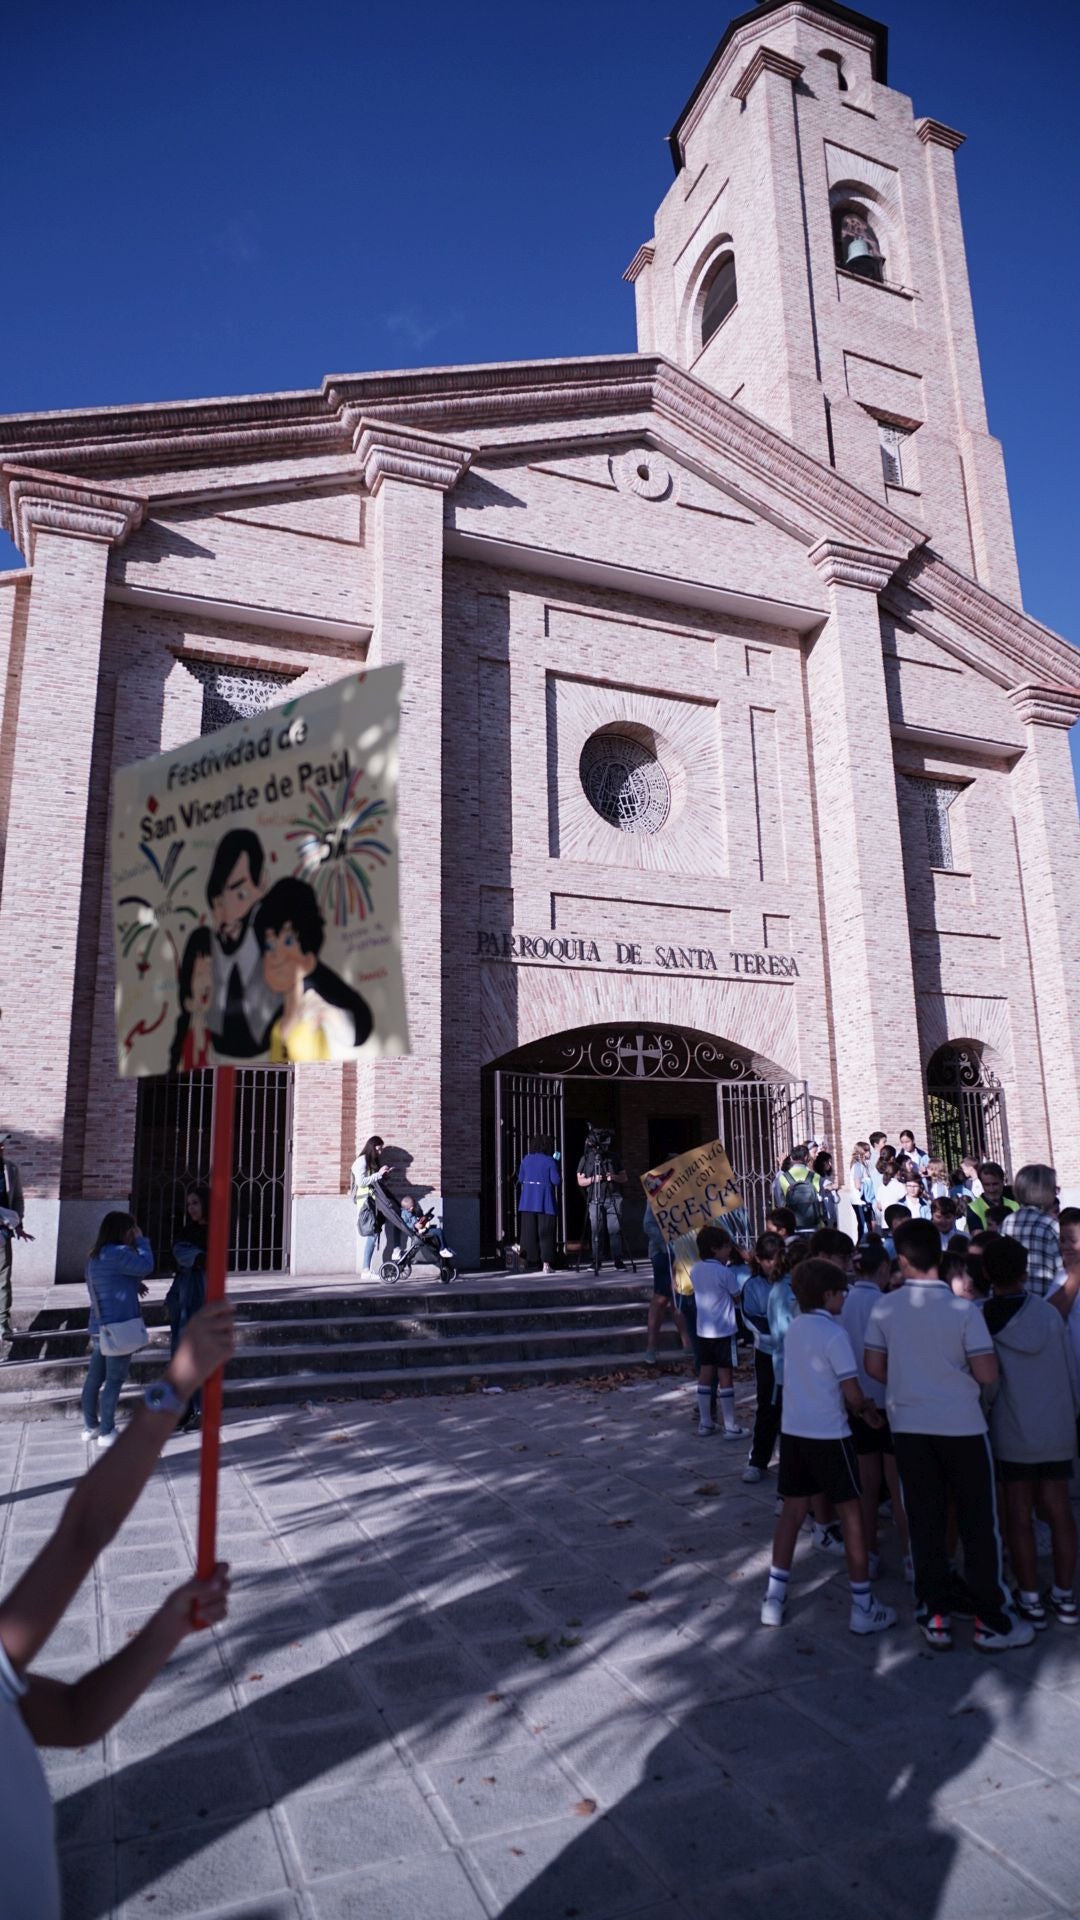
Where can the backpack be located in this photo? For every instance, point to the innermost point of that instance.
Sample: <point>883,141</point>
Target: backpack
<point>800,1191</point>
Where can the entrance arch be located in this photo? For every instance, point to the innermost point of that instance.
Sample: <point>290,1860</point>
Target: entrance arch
<point>663,1089</point>
<point>965,1104</point>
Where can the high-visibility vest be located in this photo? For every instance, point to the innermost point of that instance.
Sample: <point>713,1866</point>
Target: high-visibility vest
<point>980,1207</point>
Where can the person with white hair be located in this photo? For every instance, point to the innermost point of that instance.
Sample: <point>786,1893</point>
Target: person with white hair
<point>1034,1224</point>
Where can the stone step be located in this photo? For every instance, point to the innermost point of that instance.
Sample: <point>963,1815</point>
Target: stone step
<point>361,1304</point>
<point>359,1355</point>
<point>423,1326</point>
<point>42,1403</point>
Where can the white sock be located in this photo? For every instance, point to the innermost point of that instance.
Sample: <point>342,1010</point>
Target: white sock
<point>778,1584</point>
<point>705,1406</point>
<point>726,1397</point>
<point>1061,1593</point>
<point>1028,1599</point>
<point>860,1594</point>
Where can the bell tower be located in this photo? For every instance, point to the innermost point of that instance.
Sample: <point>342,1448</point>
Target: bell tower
<point>808,262</point>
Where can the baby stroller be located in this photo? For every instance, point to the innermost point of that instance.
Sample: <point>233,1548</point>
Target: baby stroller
<point>422,1246</point>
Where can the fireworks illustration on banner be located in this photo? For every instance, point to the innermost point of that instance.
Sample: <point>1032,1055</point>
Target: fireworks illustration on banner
<point>337,844</point>
<point>152,916</point>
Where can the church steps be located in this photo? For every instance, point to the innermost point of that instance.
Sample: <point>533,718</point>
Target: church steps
<point>360,1345</point>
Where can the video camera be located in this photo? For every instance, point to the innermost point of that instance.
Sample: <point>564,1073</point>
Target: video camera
<point>599,1142</point>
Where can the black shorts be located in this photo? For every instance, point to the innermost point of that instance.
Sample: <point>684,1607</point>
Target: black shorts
<point>1046,1470</point>
<point>829,1467</point>
<point>717,1353</point>
<point>872,1439</point>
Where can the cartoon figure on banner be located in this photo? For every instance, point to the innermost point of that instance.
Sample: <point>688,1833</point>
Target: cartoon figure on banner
<point>192,1048</point>
<point>244,1006</point>
<point>321,1018</point>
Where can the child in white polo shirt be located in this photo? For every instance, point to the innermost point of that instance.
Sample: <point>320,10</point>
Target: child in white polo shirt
<point>821,1384</point>
<point>933,1352</point>
<point>717,1278</point>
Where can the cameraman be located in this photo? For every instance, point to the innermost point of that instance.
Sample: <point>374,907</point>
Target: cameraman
<point>601,1174</point>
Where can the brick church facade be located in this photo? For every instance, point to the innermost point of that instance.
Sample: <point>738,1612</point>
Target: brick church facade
<point>736,793</point>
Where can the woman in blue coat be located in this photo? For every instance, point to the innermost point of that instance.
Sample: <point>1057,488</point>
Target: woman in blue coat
<point>119,1266</point>
<point>538,1185</point>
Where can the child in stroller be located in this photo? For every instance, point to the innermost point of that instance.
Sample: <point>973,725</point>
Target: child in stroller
<point>422,1246</point>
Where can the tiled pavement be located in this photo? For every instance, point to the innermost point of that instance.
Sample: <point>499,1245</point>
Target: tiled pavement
<point>499,1655</point>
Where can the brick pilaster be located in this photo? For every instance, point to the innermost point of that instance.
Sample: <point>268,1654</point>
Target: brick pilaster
<point>65,528</point>
<point>407,474</point>
<point>1048,839</point>
<point>878,1076</point>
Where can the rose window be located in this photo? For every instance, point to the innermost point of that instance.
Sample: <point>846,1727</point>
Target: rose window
<point>625,783</point>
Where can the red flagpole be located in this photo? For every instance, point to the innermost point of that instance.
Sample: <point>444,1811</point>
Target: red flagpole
<point>217,1260</point>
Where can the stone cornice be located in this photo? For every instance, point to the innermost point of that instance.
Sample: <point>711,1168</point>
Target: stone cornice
<point>37,502</point>
<point>1045,706</point>
<point>934,133</point>
<point>643,258</point>
<point>386,452</point>
<point>1043,656</point>
<point>742,34</point>
<point>841,565</point>
<point>765,60</point>
<point>818,491</point>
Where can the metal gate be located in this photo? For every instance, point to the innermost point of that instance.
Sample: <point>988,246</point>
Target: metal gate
<point>172,1153</point>
<point>966,1107</point>
<point>525,1104</point>
<point>759,1123</point>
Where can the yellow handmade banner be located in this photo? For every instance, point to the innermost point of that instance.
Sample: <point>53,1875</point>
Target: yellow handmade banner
<point>685,1193</point>
<point>255,888</point>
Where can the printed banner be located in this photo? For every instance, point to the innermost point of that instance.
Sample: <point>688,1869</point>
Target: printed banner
<point>255,888</point>
<point>685,1193</point>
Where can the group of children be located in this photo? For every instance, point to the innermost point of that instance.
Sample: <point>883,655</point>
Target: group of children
<point>922,1367</point>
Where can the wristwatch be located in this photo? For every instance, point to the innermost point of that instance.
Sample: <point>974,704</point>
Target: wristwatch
<point>160,1397</point>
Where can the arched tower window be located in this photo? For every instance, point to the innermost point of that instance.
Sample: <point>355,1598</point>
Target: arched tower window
<point>855,239</point>
<point>718,297</point>
<point>836,62</point>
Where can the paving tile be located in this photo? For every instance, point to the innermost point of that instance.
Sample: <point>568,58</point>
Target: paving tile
<point>336,1832</point>
<point>1043,1727</point>
<point>199,1780</point>
<point>433,1889</point>
<point>580,1866</point>
<point>695,1835</point>
<point>1036,1830</point>
<point>503,1793</point>
<point>88,1883</point>
<point>357,1750</point>
<point>198,1870</point>
<point>935,1872</point>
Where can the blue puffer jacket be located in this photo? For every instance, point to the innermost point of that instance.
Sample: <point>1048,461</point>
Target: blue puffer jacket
<point>113,1277</point>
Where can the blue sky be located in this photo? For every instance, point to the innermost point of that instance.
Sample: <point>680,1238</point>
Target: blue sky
<point>240,197</point>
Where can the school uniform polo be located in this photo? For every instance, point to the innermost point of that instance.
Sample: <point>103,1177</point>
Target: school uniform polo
<point>817,1454</point>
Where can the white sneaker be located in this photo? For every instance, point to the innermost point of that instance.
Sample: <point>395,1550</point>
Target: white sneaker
<point>1021,1634</point>
<point>366,1274</point>
<point>89,1433</point>
<point>106,1439</point>
<point>751,1475</point>
<point>828,1539</point>
<point>736,1433</point>
<point>705,1428</point>
<point>872,1619</point>
<point>772,1613</point>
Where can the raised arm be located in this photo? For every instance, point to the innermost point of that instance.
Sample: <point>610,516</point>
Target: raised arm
<point>105,1496</point>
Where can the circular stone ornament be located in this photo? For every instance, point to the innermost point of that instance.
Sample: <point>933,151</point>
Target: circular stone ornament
<point>643,472</point>
<point>625,783</point>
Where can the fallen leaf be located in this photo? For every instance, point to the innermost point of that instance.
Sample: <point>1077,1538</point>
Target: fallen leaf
<point>489,1780</point>
<point>639,1593</point>
<point>493,1699</point>
<point>620,1523</point>
<point>585,1808</point>
<point>519,1852</point>
<point>566,1640</point>
<point>254,1676</point>
<point>707,1488</point>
